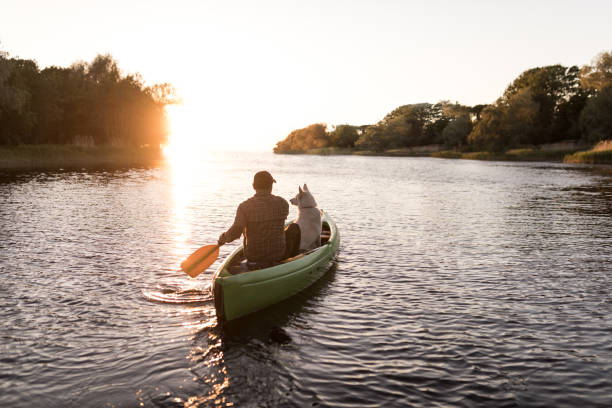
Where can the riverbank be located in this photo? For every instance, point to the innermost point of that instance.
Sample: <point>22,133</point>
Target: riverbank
<point>558,152</point>
<point>600,154</point>
<point>73,156</point>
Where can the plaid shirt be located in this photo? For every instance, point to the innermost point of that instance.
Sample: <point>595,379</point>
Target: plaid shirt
<point>262,220</point>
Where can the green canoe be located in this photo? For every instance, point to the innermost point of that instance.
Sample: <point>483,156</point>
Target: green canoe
<point>238,292</point>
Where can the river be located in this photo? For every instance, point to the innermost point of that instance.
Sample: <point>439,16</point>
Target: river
<point>458,283</point>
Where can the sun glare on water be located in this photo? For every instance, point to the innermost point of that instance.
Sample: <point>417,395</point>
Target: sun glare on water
<point>189,160</point>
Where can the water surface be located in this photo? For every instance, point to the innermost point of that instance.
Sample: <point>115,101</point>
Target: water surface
<point>458,283</point>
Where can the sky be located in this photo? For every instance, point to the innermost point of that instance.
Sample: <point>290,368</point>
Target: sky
<point>250,72</point>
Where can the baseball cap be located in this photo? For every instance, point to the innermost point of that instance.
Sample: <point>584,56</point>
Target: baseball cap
<point>263,179</point>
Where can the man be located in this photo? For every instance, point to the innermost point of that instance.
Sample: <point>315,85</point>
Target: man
<point>261,219</point>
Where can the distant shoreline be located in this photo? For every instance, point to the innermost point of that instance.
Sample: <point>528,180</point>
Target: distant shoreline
<point>75,156</point>
<point>555,154</point>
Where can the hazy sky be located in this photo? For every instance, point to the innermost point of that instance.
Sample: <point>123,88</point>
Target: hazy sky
<point>252,71</point>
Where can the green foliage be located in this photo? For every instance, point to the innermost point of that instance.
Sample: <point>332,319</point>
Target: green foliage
<point>407,126</point>
<point>456,131</point>
<point>552,88</point>
<point>596,117</point>
<point>300,140</point>
<point>85,103</point>
<point>519,123</point>
<point>344,136</point>
<point>598,75</point>
<point>411,125</point>
<point>567,123</point>
<point>372,139</point>
<point>487,133</point>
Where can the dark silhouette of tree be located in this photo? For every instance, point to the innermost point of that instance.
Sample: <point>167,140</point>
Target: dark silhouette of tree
<point>16,117</point>
<point>596,117</point>
<point>85,103</point>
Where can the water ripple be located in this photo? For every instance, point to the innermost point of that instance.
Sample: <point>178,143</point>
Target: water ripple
<point>458,284</point>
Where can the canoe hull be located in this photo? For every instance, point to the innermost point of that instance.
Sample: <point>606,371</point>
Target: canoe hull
<point>241,294</point>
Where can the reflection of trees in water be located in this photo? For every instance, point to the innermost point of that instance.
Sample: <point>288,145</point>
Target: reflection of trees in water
<point>595,198</point>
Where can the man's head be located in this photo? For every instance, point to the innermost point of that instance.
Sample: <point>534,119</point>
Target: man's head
<point>263,181</point>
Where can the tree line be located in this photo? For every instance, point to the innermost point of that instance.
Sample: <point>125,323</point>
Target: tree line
<point>542,105</point>
<point>86,103</point>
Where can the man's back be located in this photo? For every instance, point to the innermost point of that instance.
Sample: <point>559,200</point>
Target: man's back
<point>263,219</point>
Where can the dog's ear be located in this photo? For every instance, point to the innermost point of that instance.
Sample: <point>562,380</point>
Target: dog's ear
<point>300,189</point>
<point>305,187</point>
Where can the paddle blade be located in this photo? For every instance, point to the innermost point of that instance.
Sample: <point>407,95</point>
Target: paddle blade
<point>200,260</point>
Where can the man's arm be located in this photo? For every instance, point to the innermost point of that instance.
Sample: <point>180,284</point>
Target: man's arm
<point>236,229</point>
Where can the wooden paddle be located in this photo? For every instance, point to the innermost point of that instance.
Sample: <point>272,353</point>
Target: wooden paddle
<point>200,260</point>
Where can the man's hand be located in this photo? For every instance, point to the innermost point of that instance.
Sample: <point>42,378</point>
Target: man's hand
<point>221,240</point>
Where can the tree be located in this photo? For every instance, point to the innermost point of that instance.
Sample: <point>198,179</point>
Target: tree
<point>488,132</point>
<point>413,125</point>
<point>16,118</point>
<point>550,87</point>
<point>373,138</point>
<point>310,137</point>
<point>598,75</point>
<point>476,110</point>
<point>456,120</point>
<point>507,123</point>
<point>542,105</point>
<point>344,136</point>
<point>566,125</point>
<point>596,117</point>
<point>91,102</point>
<point>456,131</point>
<point>455,110</point>
<point>104,70</point>
<point>518,125</point>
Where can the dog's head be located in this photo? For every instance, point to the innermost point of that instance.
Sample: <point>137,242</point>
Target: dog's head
<point>303,199</point>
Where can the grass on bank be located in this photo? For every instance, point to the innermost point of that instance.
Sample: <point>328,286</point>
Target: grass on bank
<point>567,152</point>
<point>419,151</point>
<point>600,154</point>
<point>523,154</point>
<point>38,156</point>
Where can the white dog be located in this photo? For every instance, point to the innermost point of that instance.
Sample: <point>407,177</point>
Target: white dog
<point>309,219</point>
